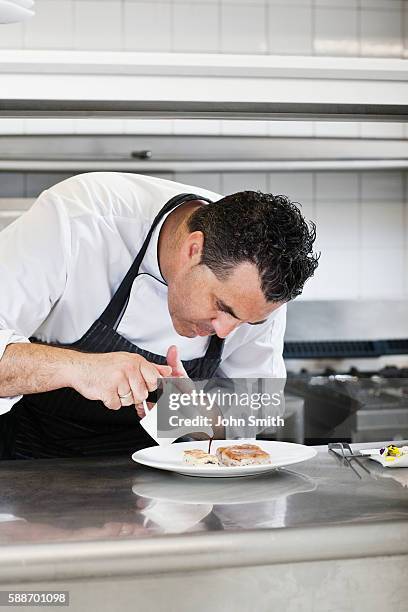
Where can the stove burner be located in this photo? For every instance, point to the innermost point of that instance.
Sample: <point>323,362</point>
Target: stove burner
<point>388,372</point>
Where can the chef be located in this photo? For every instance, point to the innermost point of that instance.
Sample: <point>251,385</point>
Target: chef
<point>113,280</point>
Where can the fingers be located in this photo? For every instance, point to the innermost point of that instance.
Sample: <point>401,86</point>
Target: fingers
<point>125,394</point>
<point>173,359</point>
<point>143,381</point>
<point>139,389</point>
<point>164,370</point>
<point>133,380</point>
<point>140,409</point>
<point>150,375</point>
<point>113,402</point>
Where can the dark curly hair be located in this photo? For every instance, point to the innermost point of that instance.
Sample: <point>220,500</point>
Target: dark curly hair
<point>261,228</point>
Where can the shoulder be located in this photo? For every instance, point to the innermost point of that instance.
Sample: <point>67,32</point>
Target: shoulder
<point>119,194</point>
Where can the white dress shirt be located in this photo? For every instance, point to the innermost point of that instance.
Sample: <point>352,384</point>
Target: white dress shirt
<point>62,260</point>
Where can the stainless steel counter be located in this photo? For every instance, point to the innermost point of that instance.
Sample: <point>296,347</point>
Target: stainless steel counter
<point>99,517</point>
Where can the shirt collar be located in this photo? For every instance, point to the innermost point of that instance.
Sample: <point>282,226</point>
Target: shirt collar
<point>150,263</point>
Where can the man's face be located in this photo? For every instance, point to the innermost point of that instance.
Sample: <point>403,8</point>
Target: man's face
<point>202,305</point>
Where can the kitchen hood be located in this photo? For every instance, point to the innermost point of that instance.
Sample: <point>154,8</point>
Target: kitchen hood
<point>159,85</point>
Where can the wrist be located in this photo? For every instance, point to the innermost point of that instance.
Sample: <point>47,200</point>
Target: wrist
<point>67,370</point>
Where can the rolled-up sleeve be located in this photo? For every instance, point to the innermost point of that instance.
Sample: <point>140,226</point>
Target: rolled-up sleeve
<point>34,251</point>
<point>8,336</point>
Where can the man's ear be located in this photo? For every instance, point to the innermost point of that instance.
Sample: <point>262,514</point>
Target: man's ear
<point>195,246</point>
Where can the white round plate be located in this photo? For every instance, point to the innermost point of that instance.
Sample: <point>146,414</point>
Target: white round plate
<point>170,458</point>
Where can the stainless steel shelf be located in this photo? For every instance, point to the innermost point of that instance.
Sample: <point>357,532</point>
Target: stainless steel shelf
<point>190,109</point>
<point>159,85</point>
<point>101,165</point>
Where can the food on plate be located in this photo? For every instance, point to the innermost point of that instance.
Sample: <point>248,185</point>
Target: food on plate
<point>199,457</point>
<point>392,452</point>
<point>237,454</point>
<point>242,454</point>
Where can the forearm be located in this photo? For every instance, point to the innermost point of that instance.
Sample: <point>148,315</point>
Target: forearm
<point>34,368</point>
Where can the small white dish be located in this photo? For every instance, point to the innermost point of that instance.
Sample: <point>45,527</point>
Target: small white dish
<point>385,460</point>
<point>170,458</point>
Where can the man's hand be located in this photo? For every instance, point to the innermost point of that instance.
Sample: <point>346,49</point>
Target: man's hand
<point>185,385</point>
<point>177,371</point>
<point>108,376</point>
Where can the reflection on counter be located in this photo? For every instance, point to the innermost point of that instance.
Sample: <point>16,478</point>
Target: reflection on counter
<point>111,499</point>
<point>181,503</point>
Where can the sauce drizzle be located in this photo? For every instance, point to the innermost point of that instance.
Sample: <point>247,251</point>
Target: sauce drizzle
<point>209,444</point>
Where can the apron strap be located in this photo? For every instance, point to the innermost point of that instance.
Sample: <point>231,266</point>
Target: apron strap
<point>114,311</point>
<point>215,347</point>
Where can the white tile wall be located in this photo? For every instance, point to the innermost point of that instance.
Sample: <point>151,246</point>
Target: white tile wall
<point>289,29</point>
<point>295,129</point>
<point>196,27</point>
<point>232,182</point>
<point>148,126</point>
<point>382,4</point>
<point>372,129</point>
<point>210,180</point>
<point>382,186</point>
<point>52,27</point>
<point>290,128</point>
<point>12,185</point>
<point>147,26</point>
<point>98,25</point>
<point>336,31</point>
<point>244,128</point>
<point>35,183</point>
<point>330,27</point>
<point>98,126</point>
<point>11,36</point>
<point>381,32</point>
<point>196,126</point>
<point>341,223</point>
<point>382,225</point>
<point>338,186</point>
<point>243,27</point>
<point>336,277</point>
<point>405,273</point>
<point>11,126</point>
<point>382,273</point>
<point>361,217</point>
<point>48,126</point>
<point>298,186</point>
<point>337,129</point>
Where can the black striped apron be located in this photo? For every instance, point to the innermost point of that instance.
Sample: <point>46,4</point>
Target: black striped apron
<point>63,423</point>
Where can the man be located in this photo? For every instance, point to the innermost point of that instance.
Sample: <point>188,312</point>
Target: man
<point>119,279</point>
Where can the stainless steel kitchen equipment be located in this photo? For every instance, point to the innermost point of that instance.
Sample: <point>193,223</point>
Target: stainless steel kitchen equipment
<point>336,354</point>
<point>202,86</point>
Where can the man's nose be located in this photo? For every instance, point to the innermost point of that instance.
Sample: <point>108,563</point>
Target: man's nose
<point>224,324</point>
